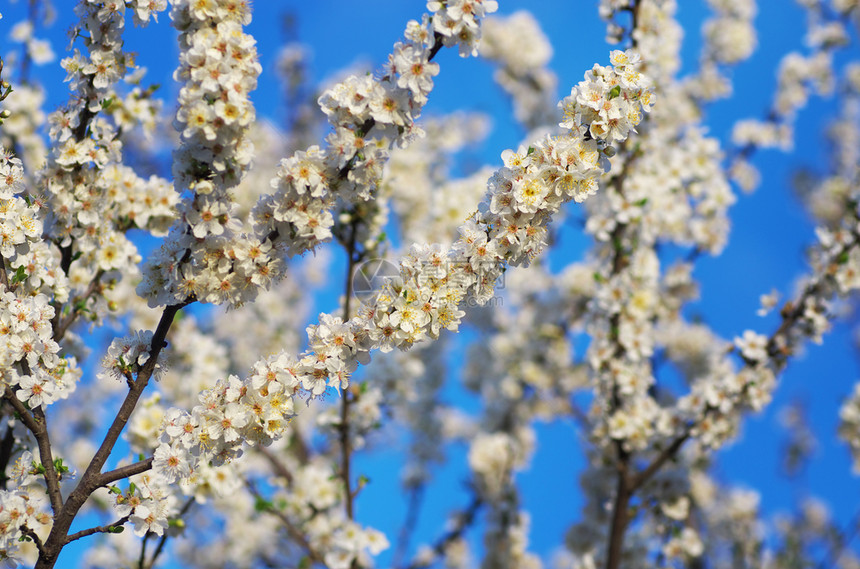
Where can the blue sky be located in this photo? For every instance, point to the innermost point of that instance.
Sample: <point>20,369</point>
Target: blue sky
<point>766,250</point>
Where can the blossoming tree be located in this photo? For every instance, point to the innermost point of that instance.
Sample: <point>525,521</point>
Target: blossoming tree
<point>219,429</point>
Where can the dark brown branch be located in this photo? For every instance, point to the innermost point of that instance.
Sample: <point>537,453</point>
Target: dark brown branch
<point>35,423</point>
<point>6,447</point>
<point>670,451</point>
<point>4,279</point>
<point>125,472</point>
<point>32,535</point>
<point>345,447</point>
<point>278,466</point>
<point>464,521</point>
<point>109,528</point>
<point>620,519</point>
<point>92,477</point>
<point>295,533</point>
<point>163,541</point>
<point>46,456</point>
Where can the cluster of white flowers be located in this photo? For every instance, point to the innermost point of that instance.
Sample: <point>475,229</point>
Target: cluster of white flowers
<point>218,65</point>
<point>429,205</point>
<point>799,77</point>
<point>37,50</point>
<point>849,424</point>
<point>523,52</point>
<point>19,512</point>
<point>311,502</point>
<point>458,22</point>
<point>492,457</point>
<point>731,36</point>
<point>508,229</point>
<point>127,355</point>
<point>93,200</point>
<point>762,134</point>
<point>20,128</point>
<point>34,265</point>
<point>29,358</point>
<point>148,502</point>
<point>369,115</point>
<point>665,192</point>
<point>657,38</point>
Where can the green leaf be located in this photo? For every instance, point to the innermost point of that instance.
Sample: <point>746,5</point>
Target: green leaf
<point>114,490</point>
<point>614,92</point>
<point>263,505</point>
<point>20,275</point>
<point>842,258</point>
<point>81,305</point>
<point>641,202</point>
<point>116,529</point>
<point>59,466</point>
<point>530,151</point>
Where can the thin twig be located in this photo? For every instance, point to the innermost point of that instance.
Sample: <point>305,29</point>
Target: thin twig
<point>35,423</point>
<point>464,521</point>
<point>278,466</point>
<point>345,447</point>
<point>92,477</point>
<point>161,542</point>
<point>645,475</point>
<point>416,495</point>
<point>295,533</point>
<point>107,528</point>
<point>125,471</point>
<point>32,535</point>
<point>61,326</point>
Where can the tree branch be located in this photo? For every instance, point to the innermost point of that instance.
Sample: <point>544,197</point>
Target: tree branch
<point>464,521</point>
<point>125,472</point>
<point>295,534</point>
<point>92,477</point>
<point>32,535</point>
<point>35,423</point>
<point>108,528</point>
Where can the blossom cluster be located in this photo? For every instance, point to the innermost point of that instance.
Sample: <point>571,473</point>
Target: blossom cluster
<point>20,516</point>
<point>127,355</point>
<point>218,66</point>
<point>523,52</point>
<point>29,358</point>
<point>731,36</point>
<point>369,115</point>
<point>148,502</point>
<point>93,199</point>
<point>507,229</point>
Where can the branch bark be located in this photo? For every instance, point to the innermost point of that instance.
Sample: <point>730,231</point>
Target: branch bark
<point>93,477</point>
